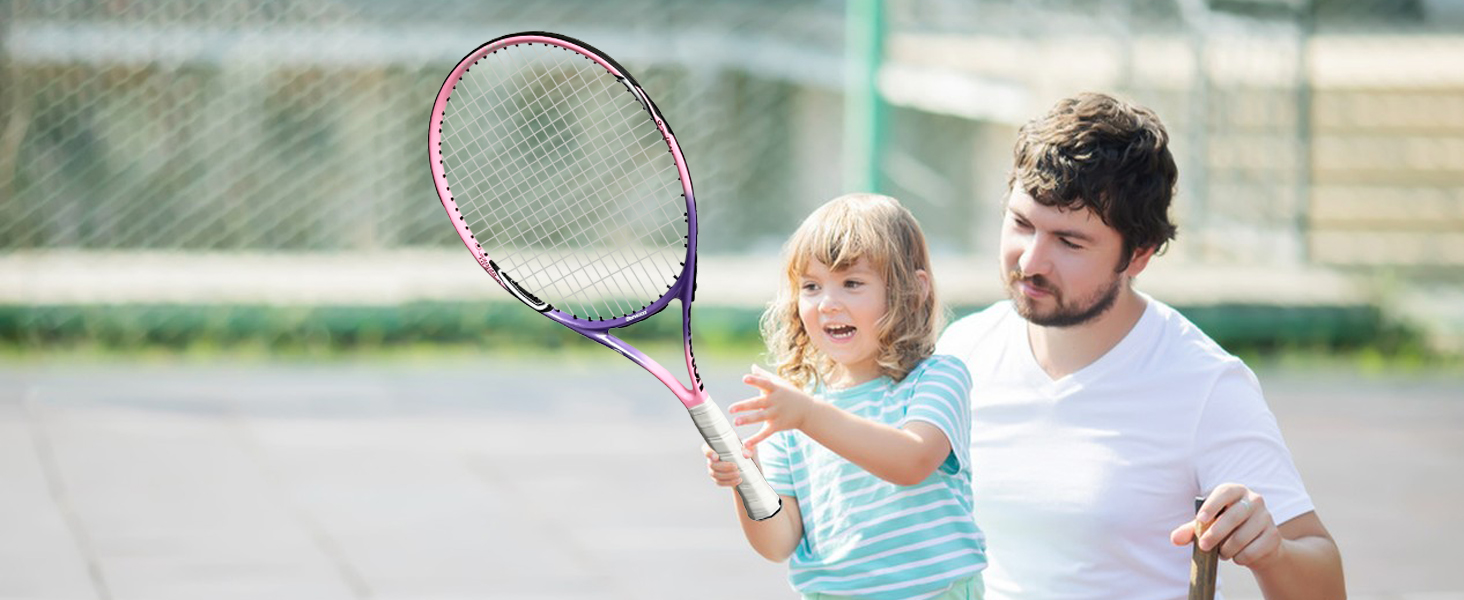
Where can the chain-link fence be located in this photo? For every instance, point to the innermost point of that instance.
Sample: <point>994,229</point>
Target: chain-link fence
<point>298,124</point>
<point>1309,132</point>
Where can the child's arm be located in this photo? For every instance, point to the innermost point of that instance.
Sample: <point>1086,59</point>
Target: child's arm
<point>900,455</point>
<point>775,537</point>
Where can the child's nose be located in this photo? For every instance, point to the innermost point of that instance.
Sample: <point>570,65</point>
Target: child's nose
<point>829,304</point>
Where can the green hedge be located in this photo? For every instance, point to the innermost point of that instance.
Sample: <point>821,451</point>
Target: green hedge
<point>1240,328</point>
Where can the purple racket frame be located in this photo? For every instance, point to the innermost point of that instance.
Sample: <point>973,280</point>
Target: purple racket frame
<point>760,502</point>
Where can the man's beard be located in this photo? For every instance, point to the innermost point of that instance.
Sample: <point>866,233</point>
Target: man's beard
<point>1064,314</point>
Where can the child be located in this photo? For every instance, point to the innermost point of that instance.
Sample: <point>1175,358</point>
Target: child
<point>867,433</point>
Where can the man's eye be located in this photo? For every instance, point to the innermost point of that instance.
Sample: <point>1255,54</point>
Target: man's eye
<point>1069,244</point>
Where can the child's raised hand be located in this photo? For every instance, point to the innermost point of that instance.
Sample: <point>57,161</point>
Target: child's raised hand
<point>779,406</point>
<point>725,474</point>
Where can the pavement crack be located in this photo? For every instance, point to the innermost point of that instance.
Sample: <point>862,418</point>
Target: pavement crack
<point>61,496</point>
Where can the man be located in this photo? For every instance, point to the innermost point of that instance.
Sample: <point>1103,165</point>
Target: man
<point>1101,413</point>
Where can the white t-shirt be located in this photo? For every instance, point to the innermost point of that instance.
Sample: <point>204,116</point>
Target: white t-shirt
<point>1078,481</point>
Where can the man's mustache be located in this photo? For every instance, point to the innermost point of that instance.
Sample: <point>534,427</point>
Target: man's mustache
<point>1036,281</point>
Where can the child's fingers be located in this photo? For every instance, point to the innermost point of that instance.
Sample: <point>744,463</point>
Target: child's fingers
<point>748,404</point>
<point>714,459</point>
<point>721,467</point>
<point>723,476</point>
<point>757,438</point>
<point>758,381</point>
<point>750,418</point>
<point>723,473</point>
<point>728,480</point>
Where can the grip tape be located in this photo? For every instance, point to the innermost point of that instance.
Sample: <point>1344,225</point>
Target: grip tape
<point>758,497</point>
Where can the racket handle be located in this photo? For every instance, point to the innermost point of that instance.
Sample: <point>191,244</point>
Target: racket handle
<point>1203,565</point>
<point>758,498</point>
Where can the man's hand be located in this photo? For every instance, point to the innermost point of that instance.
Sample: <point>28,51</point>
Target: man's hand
<point>1243,530</point>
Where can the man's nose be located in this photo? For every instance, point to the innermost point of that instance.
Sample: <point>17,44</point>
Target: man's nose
<point>1034,259</point>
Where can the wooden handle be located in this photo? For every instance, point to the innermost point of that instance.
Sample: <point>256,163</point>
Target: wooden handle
<point>1203,564</point>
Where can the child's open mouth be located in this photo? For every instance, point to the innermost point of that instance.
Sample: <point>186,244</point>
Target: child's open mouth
<point>840,332</point>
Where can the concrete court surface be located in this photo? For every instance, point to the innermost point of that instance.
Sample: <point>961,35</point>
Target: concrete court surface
<point>497,478</point>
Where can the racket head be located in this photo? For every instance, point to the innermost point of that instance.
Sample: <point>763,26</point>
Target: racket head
<point>564,181</point>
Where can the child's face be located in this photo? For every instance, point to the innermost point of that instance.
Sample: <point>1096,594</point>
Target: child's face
<point>841,312</point>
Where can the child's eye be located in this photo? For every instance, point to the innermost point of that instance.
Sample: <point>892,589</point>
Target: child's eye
<point>853,283</point>
<point>808,286</point>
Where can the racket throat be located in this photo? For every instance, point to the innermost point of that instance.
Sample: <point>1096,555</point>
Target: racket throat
<point>689,396</point>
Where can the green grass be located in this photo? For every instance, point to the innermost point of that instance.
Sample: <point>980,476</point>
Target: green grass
<point>1354,338</point>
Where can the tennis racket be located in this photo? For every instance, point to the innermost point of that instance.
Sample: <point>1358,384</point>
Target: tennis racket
<point>569,188</point>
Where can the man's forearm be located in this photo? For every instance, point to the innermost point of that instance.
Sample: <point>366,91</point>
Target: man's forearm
<point>1309,567</point>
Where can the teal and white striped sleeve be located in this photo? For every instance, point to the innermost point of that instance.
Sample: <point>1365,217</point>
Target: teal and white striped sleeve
<point>942,397</point>
<point>777,468</point>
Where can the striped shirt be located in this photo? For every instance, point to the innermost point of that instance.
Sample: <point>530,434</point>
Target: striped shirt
<point>864,536</point>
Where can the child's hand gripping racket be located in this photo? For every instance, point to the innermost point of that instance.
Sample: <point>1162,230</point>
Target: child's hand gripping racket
<point>568,187</point>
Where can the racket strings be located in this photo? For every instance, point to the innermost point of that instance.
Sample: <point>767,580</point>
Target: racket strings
<point>638,259</point>
<point>668,238</point>
<point>655,143</point>
<point>575,186</point>
<point>525,144</point>
<point>541,267</point>
<point>606,276</point>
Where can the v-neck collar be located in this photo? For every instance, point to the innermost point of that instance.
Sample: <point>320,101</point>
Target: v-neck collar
<point>1116,355</point>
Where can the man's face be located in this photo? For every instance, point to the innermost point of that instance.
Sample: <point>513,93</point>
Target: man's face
<point>1058,265</point>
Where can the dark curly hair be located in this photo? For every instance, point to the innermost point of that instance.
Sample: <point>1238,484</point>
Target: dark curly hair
<point>1096,151</point>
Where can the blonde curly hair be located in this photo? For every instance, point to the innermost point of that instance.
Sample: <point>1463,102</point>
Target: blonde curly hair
<point>838,234</point>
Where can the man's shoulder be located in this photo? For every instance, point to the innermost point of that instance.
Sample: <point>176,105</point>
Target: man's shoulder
<point>1185,340</point>
<point>985,318</point>
<point>978,322</point>
<point>965,333</point>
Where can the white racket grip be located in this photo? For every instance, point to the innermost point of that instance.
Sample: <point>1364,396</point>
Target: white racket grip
<point>758,497</point>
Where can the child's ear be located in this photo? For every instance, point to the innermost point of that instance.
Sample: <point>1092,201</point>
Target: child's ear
<point>924,279</point>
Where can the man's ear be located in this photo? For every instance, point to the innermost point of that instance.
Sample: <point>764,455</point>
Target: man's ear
<point>1139,261</point>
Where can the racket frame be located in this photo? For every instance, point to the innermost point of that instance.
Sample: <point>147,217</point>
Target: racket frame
<point>684,288</point>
